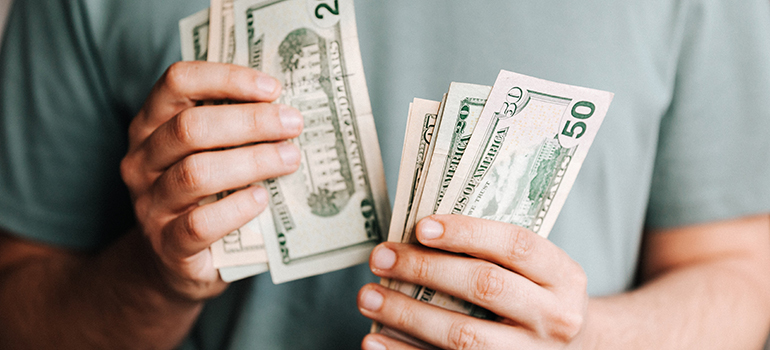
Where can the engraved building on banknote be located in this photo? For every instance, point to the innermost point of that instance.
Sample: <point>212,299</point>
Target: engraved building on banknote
<point>326,170</point>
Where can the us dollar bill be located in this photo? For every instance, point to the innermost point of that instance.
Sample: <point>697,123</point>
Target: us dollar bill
<point>242,248</point>
<point>415,155</point>
<point>519,165</point>
<point>411,217</point>
<point>464,103</point>
<point>194,33</point>
<point>221,32</point>
<point>525,155</point>
<point>461,109</point>
<point>420,128</point>
<point>334,210</point>
<point>402,189</point>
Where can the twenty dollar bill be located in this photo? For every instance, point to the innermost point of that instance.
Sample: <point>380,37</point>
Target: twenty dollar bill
<point>334,210</point>
<point>241,253</point>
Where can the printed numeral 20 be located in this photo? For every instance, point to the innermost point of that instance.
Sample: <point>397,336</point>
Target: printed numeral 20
<point>335,11</point>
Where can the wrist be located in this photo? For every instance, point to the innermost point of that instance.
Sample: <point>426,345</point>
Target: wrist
<point>595,328</point>
<point>146,269</point>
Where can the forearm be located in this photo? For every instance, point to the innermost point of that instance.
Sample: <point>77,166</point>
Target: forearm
<point>112,300</point>
<point>718,305</point>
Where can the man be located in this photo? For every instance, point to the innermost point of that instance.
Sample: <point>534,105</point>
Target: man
<point>674,193</point>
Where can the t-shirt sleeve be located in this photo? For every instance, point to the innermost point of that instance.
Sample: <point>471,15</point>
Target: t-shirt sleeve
<point>60,140</point>
<point>713,158</point>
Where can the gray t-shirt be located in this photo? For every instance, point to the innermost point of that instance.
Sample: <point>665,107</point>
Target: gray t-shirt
<point>685,140</point>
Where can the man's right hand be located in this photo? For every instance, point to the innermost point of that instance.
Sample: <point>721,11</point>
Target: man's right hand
<point>180,153</point>
<point>55,297</point>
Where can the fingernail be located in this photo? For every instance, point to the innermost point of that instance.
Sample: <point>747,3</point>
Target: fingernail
<point>266,84</point>
<point>384,258</point>
<point>288,153</point>
<point>290,117</point>
<point>430,229</point>
<point>260,195</point>
<point>370,344</point>
<point>371,300</point>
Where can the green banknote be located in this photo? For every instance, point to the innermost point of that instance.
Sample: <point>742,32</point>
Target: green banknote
<point>529,145</point>
<point>194,35</point>
<point>420,129</point>
<point>241,253</point>
<point>221,32</point>
<point>463,106</point>
<point>518,165</point>
<point>334,210</point>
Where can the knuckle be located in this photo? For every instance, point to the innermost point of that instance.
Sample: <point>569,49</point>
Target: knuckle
<point>133,174</point>
<point>579,278</point>
<point>128,171</point>
<point>421,268</point>
<point>520,245</point>
<point>489,283</point>
<point>470,233</point>
<point>245,208</point>
<point>405,318</point>
<point>231,76</point>
<point>196,225</point>
<point>463,336</point>
<point>176,76</point>
<point>565,325</point>
<point>192,174</point>
<point>254,121</point>
<point>186,128</point>
<point>263,160</point>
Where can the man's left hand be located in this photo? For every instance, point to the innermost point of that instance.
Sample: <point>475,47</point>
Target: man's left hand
<point>535,288</point>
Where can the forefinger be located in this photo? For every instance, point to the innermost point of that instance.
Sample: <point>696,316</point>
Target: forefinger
<point>213,127</point>
<point>186,83</point>
<point>512,247</point>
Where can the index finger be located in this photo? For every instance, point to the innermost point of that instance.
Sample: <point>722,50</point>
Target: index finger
<point>510,246</point>
<point>186,83</point>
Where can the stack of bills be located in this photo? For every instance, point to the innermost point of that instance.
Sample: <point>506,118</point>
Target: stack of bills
<point>507,153</point>
<point>334,210</point>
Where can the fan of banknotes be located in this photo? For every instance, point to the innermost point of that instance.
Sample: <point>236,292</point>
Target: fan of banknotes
<point>509,152</point>
<point>334,210</point>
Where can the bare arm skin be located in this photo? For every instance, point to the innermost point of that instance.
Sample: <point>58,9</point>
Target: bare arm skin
<point>705,287</point>
<point>55,299</point>
<point>146,290</point>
